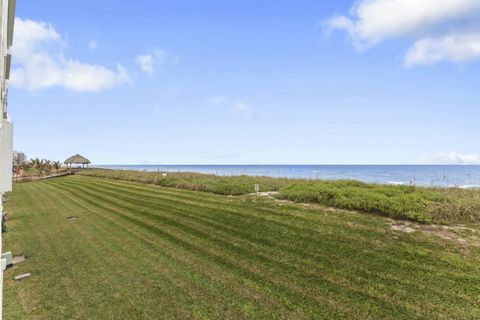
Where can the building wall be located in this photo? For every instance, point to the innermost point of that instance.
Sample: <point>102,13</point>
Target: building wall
<point>7,20</point>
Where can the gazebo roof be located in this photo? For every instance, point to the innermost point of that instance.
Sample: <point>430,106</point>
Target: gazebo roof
<point>77,159</point>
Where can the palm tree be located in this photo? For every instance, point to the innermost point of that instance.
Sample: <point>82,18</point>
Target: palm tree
<point>57,165</point>
<point>47,164</point>
<point>36,164</point>
<point>40,165</point>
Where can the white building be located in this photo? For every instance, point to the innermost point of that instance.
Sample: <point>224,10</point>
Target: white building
<point>7,21</point>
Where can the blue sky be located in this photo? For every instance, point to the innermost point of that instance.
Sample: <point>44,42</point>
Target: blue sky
<point>243,82</point>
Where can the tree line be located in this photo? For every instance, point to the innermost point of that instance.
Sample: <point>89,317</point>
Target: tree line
<point>42,165</point>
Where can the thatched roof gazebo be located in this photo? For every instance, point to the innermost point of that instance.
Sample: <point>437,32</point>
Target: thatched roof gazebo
<point>77,159</point>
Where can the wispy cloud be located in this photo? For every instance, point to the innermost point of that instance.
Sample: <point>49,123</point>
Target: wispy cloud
<point>146,63</point>
<point>240,108</point>
<point>461,48</point>
<point>150,62</point>
<point>40,62</point>
<point>451,158</point>
<point>442,30</point>
<point>244,110</point>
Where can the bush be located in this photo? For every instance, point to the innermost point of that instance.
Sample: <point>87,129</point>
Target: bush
<point>424,205</point>
<point>234,185</point>
<point>392,201</point>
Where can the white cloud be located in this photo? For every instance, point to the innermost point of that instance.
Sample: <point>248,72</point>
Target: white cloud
<point>216,100</point>
<point>92,45</point>
<point>441,29</point>
<point>451,158</point>
<point>459,48</point>
<point>244,110</point>
<point>39,62</point>
<point>146,63</point>
<point>151,61</point>
<point>377,20</point>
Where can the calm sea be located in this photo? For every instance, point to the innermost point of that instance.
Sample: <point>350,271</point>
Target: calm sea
<point>465,176</point>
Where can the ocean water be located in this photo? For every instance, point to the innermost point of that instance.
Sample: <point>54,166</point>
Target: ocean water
<point>464,176</point>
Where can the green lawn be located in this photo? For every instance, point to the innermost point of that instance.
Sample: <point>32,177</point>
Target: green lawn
<point>147,252</point>
<point>425,205</point>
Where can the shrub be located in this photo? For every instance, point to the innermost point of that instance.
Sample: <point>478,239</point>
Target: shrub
<point>424,205</point>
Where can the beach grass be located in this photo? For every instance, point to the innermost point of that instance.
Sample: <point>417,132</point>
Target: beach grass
<point>425,205</point>
<point>137,251</point>
<point>226,185</point>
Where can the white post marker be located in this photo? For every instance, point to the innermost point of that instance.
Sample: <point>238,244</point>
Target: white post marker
<point>257,188</point>
<point>7,21</point>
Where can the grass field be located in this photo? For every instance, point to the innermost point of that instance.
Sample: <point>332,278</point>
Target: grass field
<point>425,205</point>
<point>147,252</point>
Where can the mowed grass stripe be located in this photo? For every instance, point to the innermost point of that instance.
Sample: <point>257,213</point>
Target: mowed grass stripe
<point>124,271</point>
<point>234,263</point>
<point>45,260</point>
<point>139,256</point>
<point>208,201</point>
<point>439,292</point>
<point>305,240</point>
<point>76,280</point>
<point>121,260</point>
<point>208,198</point>
<point>339,227</point>
<point>138,222</point>
<point>188,304</point>
<point>414,283</point>
<point>213,231</point>
<point>177,210</point>
<point>311,279</point>
<point>195,254</point>
<point>22,300</point>
<point>46,243</point>
<point>236,218</point>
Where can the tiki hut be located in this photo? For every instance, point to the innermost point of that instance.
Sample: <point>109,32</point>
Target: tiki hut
<point>77,160</point>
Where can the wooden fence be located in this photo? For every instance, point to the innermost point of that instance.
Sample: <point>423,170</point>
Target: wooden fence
<point>43,176</point>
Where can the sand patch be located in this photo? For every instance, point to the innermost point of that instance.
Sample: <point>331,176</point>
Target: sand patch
<point>460,234</point>
<point>265,194</point>
<point>402,228</point>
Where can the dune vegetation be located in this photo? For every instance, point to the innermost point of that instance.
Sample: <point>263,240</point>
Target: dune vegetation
<point>112,249</point>
<point>226,185</point>
<point>425,205</point>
